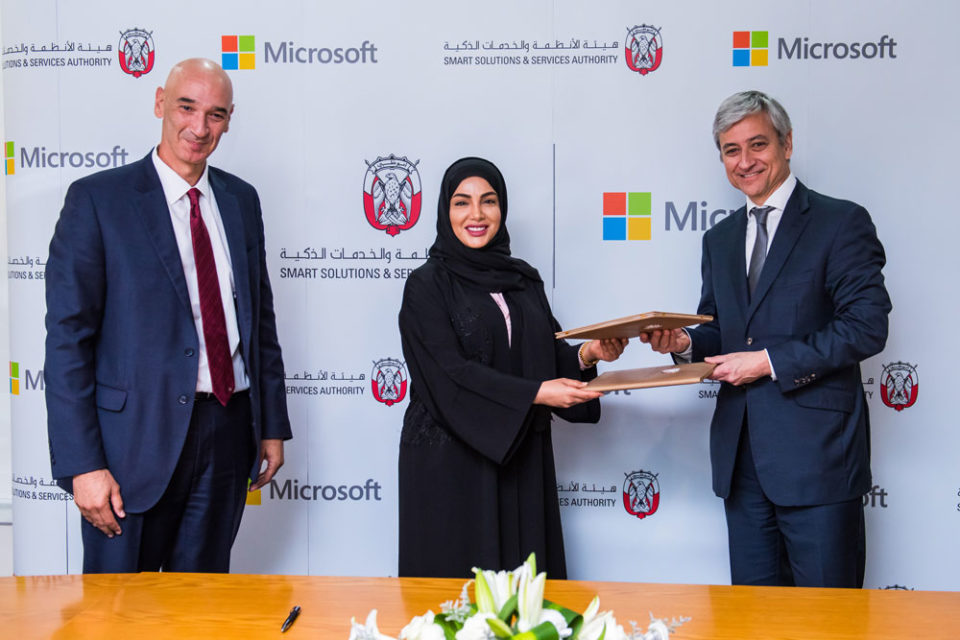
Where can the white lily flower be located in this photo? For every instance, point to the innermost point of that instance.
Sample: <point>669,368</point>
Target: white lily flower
<point>368,630</point>
<point>492,591</point>
<point>502,586</point>
<point>593,629</point>
<point>422,628</point>
<point>597,624</point>
<point>591,611</point>
<point>530,611</point>
<point>528,568</point>
<point>615,631</point>
<point>498,586</point>
<point>593,623</point>
<point>476,628</point>
<point>530,600</point>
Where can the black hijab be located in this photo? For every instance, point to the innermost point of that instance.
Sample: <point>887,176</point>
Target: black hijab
<point>490,268</point>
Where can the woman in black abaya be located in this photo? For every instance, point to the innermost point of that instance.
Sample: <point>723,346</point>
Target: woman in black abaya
<point>477,479</point>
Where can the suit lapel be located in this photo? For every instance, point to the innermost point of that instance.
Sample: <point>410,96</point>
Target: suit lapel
<point>151,206</point>
<point>791,225</point>
<point>733,262</point>
<point>233,226</point>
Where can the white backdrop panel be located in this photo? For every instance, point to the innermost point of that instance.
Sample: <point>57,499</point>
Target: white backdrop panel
<point>543,90</point>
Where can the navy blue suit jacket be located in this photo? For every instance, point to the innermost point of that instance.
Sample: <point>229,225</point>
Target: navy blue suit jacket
<point>121,349</point>
<point>820,307</point>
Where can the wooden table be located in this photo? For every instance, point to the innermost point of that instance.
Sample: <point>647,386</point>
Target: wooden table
<point>151,605</point>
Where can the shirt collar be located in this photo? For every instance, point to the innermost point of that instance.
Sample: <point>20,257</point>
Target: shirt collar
<point>778,199</point>
<point>175,187</point>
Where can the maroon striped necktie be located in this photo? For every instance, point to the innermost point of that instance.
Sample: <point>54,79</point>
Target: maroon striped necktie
<point>211,305</point>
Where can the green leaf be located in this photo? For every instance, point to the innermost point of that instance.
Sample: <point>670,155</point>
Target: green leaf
<point>500,629</point>
<point>569,615</point>
<point>543,631</point>
<point>449,627</point>
<point>509,608</point>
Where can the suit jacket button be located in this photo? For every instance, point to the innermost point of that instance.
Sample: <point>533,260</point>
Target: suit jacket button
<point>188,352</point>
<point>749,341</point>
<point>182,399</point>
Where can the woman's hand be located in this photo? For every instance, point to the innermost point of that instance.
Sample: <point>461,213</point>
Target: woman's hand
<point>563,393</point>
<point>608,350</point>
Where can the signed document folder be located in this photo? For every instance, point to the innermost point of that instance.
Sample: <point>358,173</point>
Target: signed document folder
<point>664,376</point>
<point>633,326</point>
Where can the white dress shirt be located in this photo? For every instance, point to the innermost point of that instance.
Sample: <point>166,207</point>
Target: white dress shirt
<point>175,191</point>
<point>778,200</point>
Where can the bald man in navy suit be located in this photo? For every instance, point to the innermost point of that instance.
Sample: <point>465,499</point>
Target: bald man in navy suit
<point>793,281</point>
<point>164,378</point>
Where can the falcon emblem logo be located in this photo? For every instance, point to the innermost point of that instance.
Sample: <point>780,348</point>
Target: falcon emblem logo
<point>641,494</point>
<point>136,51</point>
<point>899,385</point>
<point>389,381</point>
<point>643,49</point>
<point>391,194</point>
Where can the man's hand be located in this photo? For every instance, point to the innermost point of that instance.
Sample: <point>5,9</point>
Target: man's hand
<point>271,451</point>
<point>563,393</point>
<point>97,496</point>
<point>740,368</point>
<point>667,341</point>
<point>607,350</point>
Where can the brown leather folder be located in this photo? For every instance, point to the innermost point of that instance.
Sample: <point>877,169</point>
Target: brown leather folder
<point>663,376</point>
<point>633,326</point>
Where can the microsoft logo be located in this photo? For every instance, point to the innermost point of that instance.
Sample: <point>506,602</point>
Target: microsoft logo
<point>14,373</point>
<point>751,48</point>
<point>9,151</point>
<point>627,215</point>
<point>238,52</point>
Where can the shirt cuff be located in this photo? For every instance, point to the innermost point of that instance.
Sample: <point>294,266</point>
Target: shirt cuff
<point>773,373</point>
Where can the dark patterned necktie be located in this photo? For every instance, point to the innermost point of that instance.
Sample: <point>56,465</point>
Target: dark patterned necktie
<point>759,253</point>
<point>211,305</point>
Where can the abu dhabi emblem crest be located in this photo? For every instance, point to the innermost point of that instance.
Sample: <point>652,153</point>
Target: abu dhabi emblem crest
<point>899,385</point>
<point>389,381</point>
<point>391,194</point>
<point>136,51</point>
<point>641,493</point>
<point>643,49</point>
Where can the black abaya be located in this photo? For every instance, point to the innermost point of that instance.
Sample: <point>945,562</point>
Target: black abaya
<point>476,470</point>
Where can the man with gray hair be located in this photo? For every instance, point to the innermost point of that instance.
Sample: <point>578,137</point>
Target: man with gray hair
<point>793,281</point>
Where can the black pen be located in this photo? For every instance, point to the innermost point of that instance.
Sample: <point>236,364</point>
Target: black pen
<point>290,619</point>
